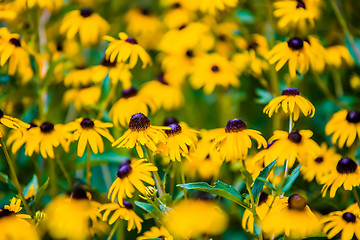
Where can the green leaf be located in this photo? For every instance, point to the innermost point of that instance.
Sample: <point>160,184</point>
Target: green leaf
<point>248,178</point>
<point>264,96</point>
<point>34,182</point>
<point>39,194</point>
<point>5,179</point>
<point>166,199</point>
<point>258,184</point>
<point>291,179</point>
<point>245,16</point>
<point>145,206</point>
<point>221,189</point>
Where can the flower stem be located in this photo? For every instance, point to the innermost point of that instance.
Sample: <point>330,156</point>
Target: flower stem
<point>159,184</point>
<point>182,175</point>
<point>356,196</point>
<point>88,166</point>
<point>290,130</point>
<point>53,177</point>
<point>64,171</point>
<point>106,102</point>
<point>113,230</point>
<point>14,177</point>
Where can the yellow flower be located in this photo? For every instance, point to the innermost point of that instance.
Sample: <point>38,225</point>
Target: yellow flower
<point>163,94</point>
<point>48,4</point>
<point>192,218</point>
<point>17,138</point>
<point>130,103</point>
<point>89,131</point>
<point>321,165</point>
<point>131,175</point>
<point>123,211</point>
<point>345,126</point>
<point>317,53</point>
<point>292,103</point>
<point>338,54</point>
<point>248,60</point>
<point>355,82</point>
<point>292,217</point>
<point>178,14</point>
<point>11,122</point>
<point>31,192</point>
<point>15,208</point>
<point>212,7</point>
<point>213,70</point>
<point>80,76</point>
<point>347,222</point>
<point>224,34</point>
<point>234,143</point>
<point>126,48</point>
<point>346,174</point>
<point>156,232</point>
<point>255,164</point>
<point>292,146</point>
<point>82,97</point>
<point>90,27</point>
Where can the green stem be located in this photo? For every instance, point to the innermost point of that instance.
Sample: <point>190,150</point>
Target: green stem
<point>354,147</point>
<point>88,166</point>
<point>14,177</point>
<point>64,171</point>
<point>290,130</point>
<point>106,103</point>
<point>113,230</point>
<point>53,177</point>
<point>337,83</point>
<point>356,196</point>
<point>182,175</point>
<point>159,184</point>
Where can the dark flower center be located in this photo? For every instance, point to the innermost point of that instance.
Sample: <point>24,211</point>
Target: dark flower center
<point>353,117</point>
<point>349,217</point>
<point>295,43</point>
<point>190,53</point>
<point>263,197</point>
<point>346,166</point>
<point>269,144</point>
<point>295,137</point>
<point>253,45</point>
<point>161,237</point>
<point>139,122</point>
<point>47,127</point>
<point>300,4</point>
<point>86,12</point>
<point>131,40</point>
<point>215,68</point>
<point>124,170</point>
<point>222,37</point>
<point>128,93</point>
<point>78,193</point>
<point>235,125</point>
<point>182,27</point>
<point>170,121</point>
<point>296,202</point>
<point>32,125</point>
<point>176,5</point>
<point>105,62</point>
<point>175,129</point>
<point>1,113</point>
<point>87,123</point>
<point>5,213</point>
<point>59,47</point>
<point>145,11</point>
<point>127,205</point>
<point>161,79</point>
<point>15,42</point>
<point>319,159</point>
<point>290,92</point>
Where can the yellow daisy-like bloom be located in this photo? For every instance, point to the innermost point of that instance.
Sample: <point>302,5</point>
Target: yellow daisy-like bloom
<point>31,192</point>
<point>292,217</point>
<point>248,60</point>
<point>44,138</point>
<point>179,140</point>
<point>347,222</point>
<point>192,218</point>
<point>355,82</point>
<point>213,70</point>
<point>131,175</point>
<point>118,72</point>
<point>338,54</point>
<point>292,146</point>
<point>298,14</point>
<point>15,208</point>
<point>255,164</point>
<point>126,48</point>
<point>178,14</point>
<point>11,122</point>
<point>141,132</point>
<point>345,126</point>
<point>292,103</point>
<point>80,76</point>
<point>90,27</point>
<point>320,166</point>
<point>234,143</point>
<point>130,103</point>
<point>162,94</point>
<point>89,131</point>
<point>156,232</point>
<point>123,211</point>
<point>212,7</point>
<point>317,53</point>
<point>346,174</point>
<point>82,97</point>
<point>51,5</point>
<point>17,138</point>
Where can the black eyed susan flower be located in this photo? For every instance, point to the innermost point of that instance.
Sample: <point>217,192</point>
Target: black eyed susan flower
<point>345,127</point>
<point>17,138</point>
<point>292,103</point>
<point>51,5</point>
<point>355,82</point>
<point>131,175</point>
<point>337,55</point>
<point>192,218</point>
<point>346,174</point>
<point>80,76</point>
<point>156,232</point>
<point>317,53</point>
<point>347,222</point>
<point>212,7</point>
<point>292,146</point>
<point>178,13</point>
<point>213,70</point>
<point>127,48</point>
<point>130,103</point>
<point>82,97</point>
<point>11,122</point>
<point>292,217</point>
<point>234,143</point>
<point>123,211</point>
<point>89,131</point>
<point>321,165</point>
<point>89,26</point>
<point>15,208</point>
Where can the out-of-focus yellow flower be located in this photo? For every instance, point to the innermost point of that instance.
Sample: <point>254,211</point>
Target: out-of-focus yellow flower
<point>15,208</point>
<point>51,5</point>
<point>317,53</point>
<point>355,82</point>
<point>79,76</point>
<point>156,232</point>
<point>31,192</point>
<point>338,54</point>
<point>11,122</point>
<point>178,14</point>
<point>82,97</point>
<point>212,7</point>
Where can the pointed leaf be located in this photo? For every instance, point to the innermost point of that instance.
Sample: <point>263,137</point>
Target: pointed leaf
<point>291,179</point>
<point>39,194</point>
<point>258,184</point>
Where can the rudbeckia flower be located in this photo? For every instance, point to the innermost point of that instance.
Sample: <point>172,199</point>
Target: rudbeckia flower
<point>124,211</point>
<point>80,76</point>
<point>126,48</point>
<point>212,7</point>
<point>345,126</point>
<point>347,222</point>
<point>18,137</point>
<point>346,174</point>
<point>89,131</point>
<point>248,60</point>
<point>317,53</point>
<point>131,174</point>
<point>292,217</point>
<point>51,5</point>
<point>338,54</point>
<point>15,208</point>
<point>90,27</point>
<point>292,146</point>
<point>156,232</point>
<point>11,122</point>
<point>213,70</point>
<point>130,103</point>
<point>192,218</point>
<point>178,13</point>
<point>234,143</point>
<point>225,37</point>
<point>297,14</point>
<point>82,97</point>
<point>292,103</point>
